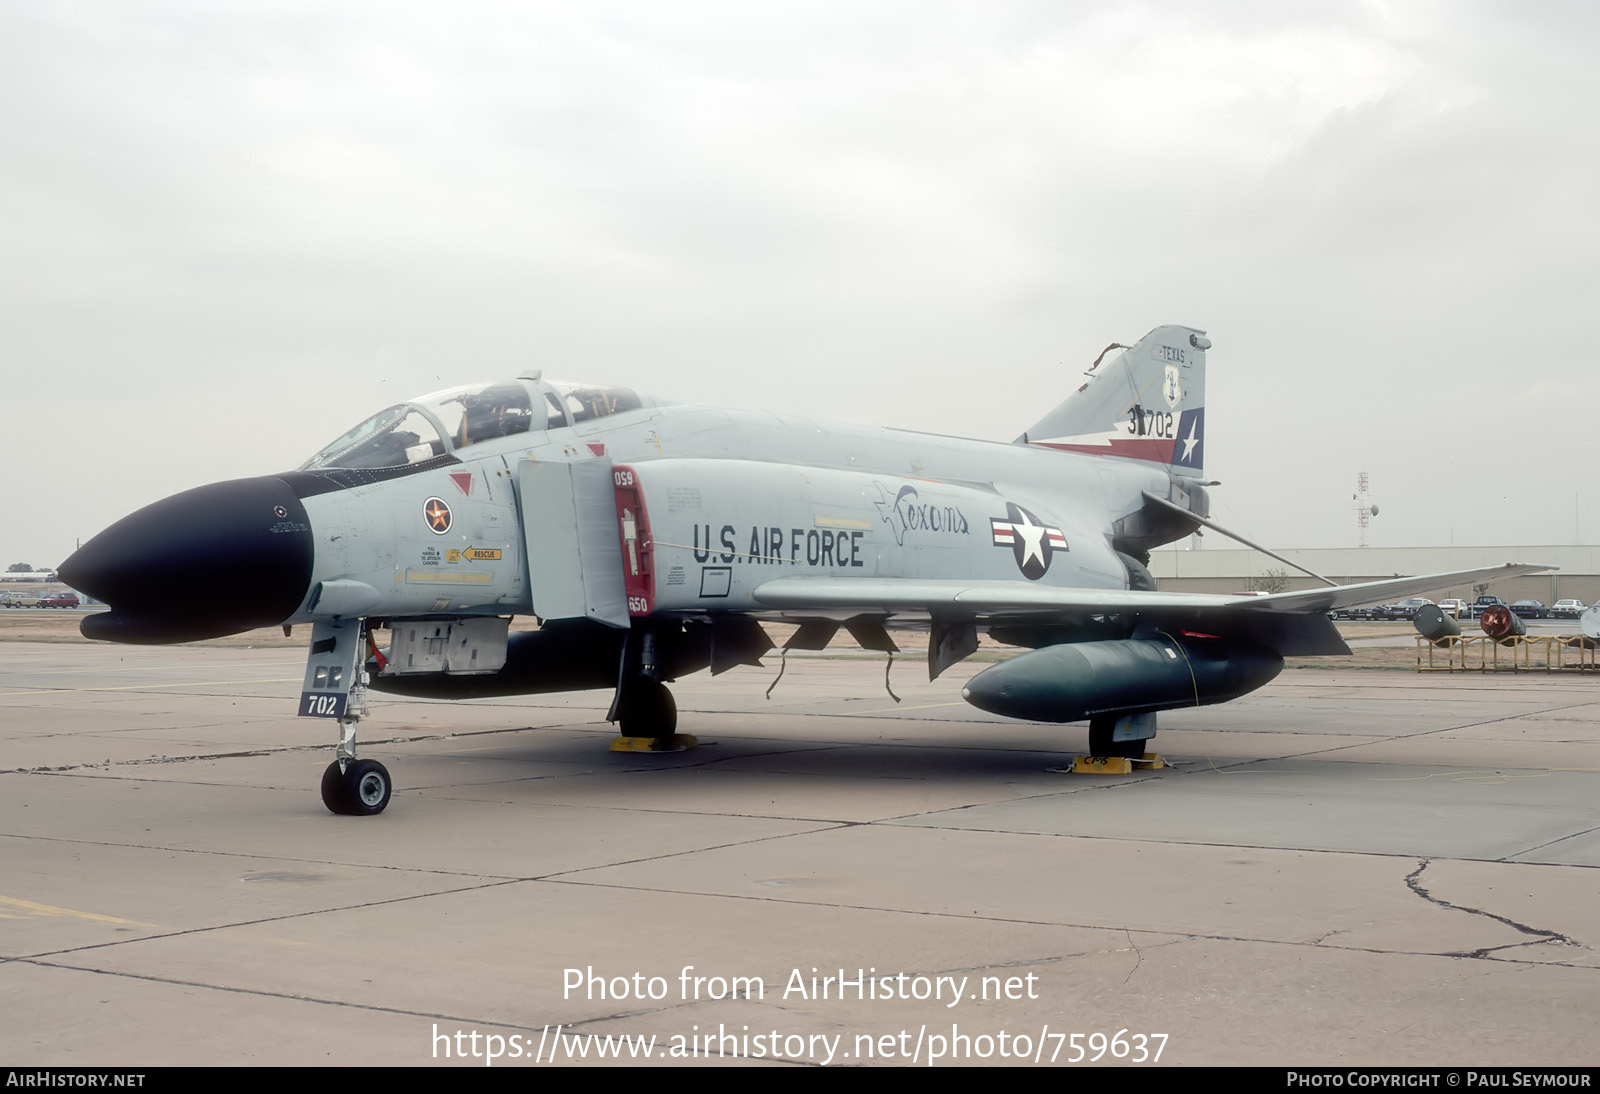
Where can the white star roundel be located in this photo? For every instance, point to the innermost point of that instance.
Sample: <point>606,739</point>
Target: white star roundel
<point>1031,541</point>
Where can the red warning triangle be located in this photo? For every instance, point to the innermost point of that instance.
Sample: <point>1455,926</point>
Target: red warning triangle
<point>463,481</point>
<point>597,447</point>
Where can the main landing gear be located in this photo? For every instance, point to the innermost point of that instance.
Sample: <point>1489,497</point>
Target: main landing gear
<point>647,716</point>
<point>643,708</point>
<point>336,687</point>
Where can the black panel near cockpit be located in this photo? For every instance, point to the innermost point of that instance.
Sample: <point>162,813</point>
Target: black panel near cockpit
<point>326,480</point>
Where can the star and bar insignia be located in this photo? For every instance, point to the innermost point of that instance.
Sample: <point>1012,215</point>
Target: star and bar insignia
<point>1030,540</point>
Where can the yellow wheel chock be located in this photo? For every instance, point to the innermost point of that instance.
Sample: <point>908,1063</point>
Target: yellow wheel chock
<point>678,742</point>
<point>1117,765</point>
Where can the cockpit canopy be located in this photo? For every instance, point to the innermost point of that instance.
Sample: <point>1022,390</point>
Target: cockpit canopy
<point>448,421</point>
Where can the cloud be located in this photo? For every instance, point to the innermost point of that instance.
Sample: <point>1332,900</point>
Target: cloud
<point>920,214</point>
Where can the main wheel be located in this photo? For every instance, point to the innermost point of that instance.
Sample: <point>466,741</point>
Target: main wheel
<point>1101,743</point>
<point>648,710</point>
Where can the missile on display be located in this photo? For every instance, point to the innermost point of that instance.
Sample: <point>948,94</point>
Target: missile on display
<point>1502,624</point>
<point>1434,625</point>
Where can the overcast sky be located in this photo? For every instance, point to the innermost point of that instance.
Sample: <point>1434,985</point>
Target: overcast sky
<point>228,231</point>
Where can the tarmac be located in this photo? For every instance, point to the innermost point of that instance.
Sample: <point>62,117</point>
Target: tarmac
<point>1349,867</point>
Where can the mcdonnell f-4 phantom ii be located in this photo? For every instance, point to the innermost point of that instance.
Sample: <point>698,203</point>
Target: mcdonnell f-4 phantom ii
<point>652,540</point>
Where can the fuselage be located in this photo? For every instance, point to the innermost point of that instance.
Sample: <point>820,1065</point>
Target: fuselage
<point>733,498</point>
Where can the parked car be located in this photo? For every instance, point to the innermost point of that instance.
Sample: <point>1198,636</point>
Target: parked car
<point>1485,602</point>
<point>1408,608</point>
<point>1355,613</point>
<point>21,600</point>
<point>1531,609</point>
<point>1454,608</point>
<point>1404,609</point>
<point>58,600</point>
<point>1567,609</point>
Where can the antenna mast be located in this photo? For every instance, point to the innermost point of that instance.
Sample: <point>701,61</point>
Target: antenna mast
<point>1365,510</point>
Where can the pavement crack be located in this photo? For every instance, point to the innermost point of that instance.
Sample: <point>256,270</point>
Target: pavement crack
<point>566,875</point>
<point>1429,732</point>
<point>1537,934</point>
<point>1552,842</point>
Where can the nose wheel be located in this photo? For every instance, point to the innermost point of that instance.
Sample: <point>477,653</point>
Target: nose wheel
<point>358,788</point>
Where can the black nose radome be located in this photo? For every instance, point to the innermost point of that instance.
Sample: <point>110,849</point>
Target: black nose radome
<point>204,563</point>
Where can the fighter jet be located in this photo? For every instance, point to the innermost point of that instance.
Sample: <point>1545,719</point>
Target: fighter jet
<point>651,539</point>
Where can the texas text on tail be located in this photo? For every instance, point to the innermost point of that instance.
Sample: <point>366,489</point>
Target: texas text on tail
<point>651,540</point>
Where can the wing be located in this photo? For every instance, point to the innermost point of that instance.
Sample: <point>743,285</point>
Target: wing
<point>1292,624</point>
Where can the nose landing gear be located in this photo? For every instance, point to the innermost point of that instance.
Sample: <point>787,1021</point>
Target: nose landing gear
<point>336,687</point>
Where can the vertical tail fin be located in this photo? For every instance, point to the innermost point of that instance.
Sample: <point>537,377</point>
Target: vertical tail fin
<point>1146,404</point>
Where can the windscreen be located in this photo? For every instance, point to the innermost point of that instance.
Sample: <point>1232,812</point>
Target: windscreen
<point>397,437</point>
